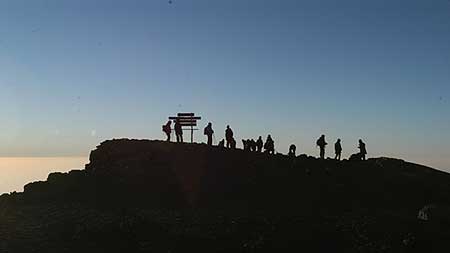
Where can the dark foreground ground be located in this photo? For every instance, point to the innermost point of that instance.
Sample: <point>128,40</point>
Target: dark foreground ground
<point>145,196</point>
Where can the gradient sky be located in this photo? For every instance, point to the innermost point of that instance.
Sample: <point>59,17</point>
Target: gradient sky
<point>73,73</point>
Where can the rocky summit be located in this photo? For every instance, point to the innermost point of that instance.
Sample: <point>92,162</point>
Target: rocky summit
<point>153,196</point>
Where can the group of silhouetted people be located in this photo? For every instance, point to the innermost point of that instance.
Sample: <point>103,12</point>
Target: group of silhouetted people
<point>338,149</point>
<point>258,145</point>
<point>167,129</point>
<point>248,144</point>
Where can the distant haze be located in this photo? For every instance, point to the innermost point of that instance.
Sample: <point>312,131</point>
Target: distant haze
<point>16,172</point>
<point>74,73</point>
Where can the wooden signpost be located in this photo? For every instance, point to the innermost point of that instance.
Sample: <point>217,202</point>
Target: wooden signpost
<point>187,120</point>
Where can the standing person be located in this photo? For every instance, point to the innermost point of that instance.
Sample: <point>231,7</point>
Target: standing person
<point>178,131</point>
<point>233,143</point>
<point>259,144</point>
<point>167,129</point>
<point>208,131</point>
<point>362,149</point>
<point>338,150</point>
<point>269,146</point>
<point>322,143</point>
<point>229,136</point>
<point>252,145</point>
<point>292,150</point>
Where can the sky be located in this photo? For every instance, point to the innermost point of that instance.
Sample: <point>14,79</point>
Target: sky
<point>75,73</point>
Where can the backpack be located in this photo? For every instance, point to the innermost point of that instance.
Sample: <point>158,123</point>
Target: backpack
<point>164,128</point>
<point>318,142</point>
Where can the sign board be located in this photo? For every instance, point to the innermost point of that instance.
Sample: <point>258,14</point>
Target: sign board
<point>187,119</point>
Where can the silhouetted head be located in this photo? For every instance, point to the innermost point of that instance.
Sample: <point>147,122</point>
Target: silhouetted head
<point>339,140</point>
<point>228,126</point>
<point>323,136</point>
<point>169,122</point>
<point>209,124</point>
<point>260,137</point>
<point>360,141</point>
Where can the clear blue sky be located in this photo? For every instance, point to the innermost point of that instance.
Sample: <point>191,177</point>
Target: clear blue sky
<point>73,73</point>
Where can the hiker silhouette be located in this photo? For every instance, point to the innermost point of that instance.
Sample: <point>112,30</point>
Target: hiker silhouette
<point>259,144</point>
<point>292,150</point>
<point>178,131</point>
<point>269,146</point>
<point>208,131</point>
<point>252,145</point>
<point>246,144</point>
<point>229,137</point>
<point>322,143</point>
<point>232,143</point>
<point>167,129</point>
<point>338,150</point>
<point>362,149</point>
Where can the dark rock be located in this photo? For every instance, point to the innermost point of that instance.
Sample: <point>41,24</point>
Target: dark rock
<point>142,196</point>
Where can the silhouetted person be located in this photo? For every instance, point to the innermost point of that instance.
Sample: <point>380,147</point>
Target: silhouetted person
<point>167,129</point>
<point>292,150</point>
<point>338,150</point>
<point>232,143</point>
<point>221,143</point>
<point>259,144</point>
<point>269,146</point>
<point>178,131</point>
<point>252,145</point>
<point>244,144</point>
<point>322,143</point>
<point>229,137</point>
<point>362,149</point>
<point>208,131</point>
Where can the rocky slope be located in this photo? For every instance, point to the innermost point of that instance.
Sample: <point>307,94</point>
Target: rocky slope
<point>151,196</point>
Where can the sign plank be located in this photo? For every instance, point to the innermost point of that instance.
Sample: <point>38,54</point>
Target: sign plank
<point>185,118</point>
<point>188,124</point>
<point>185,114</point>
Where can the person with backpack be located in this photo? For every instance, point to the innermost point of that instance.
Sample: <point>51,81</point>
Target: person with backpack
<point>208,131</point>
<point>322,143</point>
<point>167,129</point>
<point>229,137</point>
<point>178,131</point>
<point>362,150</point>
<point>269,146</point>
<point>338,150</point>
<point>259,144</point>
